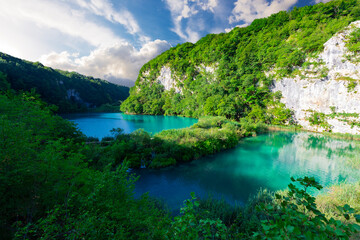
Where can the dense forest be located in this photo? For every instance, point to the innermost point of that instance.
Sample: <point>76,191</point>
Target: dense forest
<point>69,91</point>
<point>229,74</point>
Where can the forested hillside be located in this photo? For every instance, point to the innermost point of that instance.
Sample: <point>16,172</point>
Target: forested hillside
<point>69,91</point>
<point>229,74</point>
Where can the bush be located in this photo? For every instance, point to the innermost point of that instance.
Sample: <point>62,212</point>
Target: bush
<point>297,217</point>
<point>161,161</point>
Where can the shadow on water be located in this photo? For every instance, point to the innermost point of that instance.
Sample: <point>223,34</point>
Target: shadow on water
<point>267,161</point>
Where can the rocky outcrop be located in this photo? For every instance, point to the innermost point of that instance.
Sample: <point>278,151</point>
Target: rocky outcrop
<point>169,81</point>
<point>74,95</point>
<point>327,90</point>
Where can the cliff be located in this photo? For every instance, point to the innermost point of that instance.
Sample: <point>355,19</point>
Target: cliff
<point>331,101</point>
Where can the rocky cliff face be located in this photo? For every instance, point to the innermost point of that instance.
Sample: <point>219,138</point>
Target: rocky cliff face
<point>168,79</point>
<point>325,95</point>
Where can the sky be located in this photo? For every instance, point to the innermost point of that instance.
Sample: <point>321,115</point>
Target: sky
<point>113,39</point>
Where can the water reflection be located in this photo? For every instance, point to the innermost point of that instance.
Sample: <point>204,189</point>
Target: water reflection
<point>266,161</point>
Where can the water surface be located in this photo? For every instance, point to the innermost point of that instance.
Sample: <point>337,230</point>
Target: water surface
<point>267,161</point>
<point>99,124</point>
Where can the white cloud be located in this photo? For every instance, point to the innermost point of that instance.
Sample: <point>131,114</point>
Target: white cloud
<point>186,9</point>
<point>105,9</point>
<point>51,15</point>
<point>248,10</point>
<point>119,61</point>
<point>227,30</point>
<point>69,36</point>
<point>323,1</point>
<point>208,5</point>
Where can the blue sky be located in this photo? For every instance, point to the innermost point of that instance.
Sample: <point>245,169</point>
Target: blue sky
<point>112,39</point>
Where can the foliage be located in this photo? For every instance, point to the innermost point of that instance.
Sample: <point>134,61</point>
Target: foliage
<point>70,91</point>
<point>351,83</point>
<point>319,119</point>
<point>337,195</point>
<point>353,45</point>
<point>296,217</point>
<point>106,211</point>
<point>39,162</point>
<point>189,226</point>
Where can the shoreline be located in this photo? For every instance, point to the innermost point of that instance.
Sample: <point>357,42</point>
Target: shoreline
<point>342,136</point>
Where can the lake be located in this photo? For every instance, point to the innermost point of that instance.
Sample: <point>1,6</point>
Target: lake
<point>266,161</point>
<point>99,124</point>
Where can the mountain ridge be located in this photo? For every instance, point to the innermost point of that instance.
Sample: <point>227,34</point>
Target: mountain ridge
<point>70,91</point>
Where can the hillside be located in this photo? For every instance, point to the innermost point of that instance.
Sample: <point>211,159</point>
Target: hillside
<point>69,91</point>
<point>237,74</point>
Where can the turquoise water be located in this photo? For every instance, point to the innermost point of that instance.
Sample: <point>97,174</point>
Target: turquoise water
<point>267,161</point>
<point>99,124</point>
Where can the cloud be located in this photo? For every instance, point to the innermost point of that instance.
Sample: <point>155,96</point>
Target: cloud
<point>208,5</point>
<point>105,9</point>
<point>185,9</point>
<point>323,1</point>
<point>116,63</point>
<point>68,35</point>
<point>246,11</point>
<point>51,15</point>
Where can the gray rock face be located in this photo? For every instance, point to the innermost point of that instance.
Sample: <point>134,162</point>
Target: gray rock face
<point>74,95</point>
<point>167,80</point>
<point>320,94</point>
<point>334,54</point>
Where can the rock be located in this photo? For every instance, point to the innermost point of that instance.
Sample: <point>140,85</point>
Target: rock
<point>165,78</point>
<point>320,94</point>
<point>169,81</point>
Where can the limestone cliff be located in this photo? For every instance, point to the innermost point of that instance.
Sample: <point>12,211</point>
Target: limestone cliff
<point>327,89</point>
